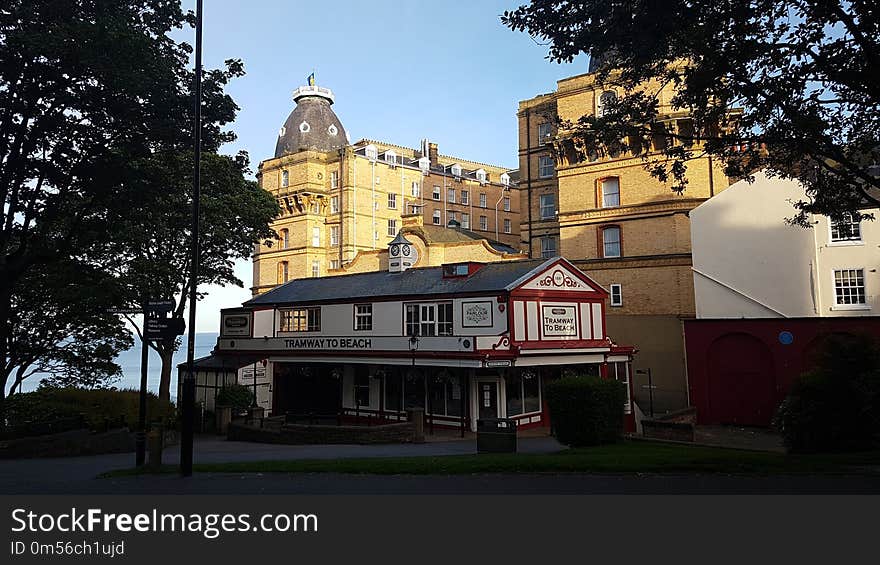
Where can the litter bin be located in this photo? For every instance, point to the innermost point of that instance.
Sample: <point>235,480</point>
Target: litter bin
<point>496,435</point>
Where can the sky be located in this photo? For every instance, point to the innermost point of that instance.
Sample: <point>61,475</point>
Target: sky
<point>401,71</point>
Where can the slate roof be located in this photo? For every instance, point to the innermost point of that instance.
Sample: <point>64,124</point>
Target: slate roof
<point>316,112</point>
<point>440,234</point>
<point>492,277</point>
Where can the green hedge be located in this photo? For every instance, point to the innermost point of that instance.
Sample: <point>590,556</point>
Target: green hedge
<point>98,407</point>
<point>586,410</point>
<point>239,397</point>
<point>836,405</point>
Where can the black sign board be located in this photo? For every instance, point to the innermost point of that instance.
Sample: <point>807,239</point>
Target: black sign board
<point>164,328</point>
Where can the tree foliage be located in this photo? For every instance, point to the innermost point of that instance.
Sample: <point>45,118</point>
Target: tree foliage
<point>789,86</point>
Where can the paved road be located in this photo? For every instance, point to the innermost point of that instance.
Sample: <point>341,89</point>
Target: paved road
<point>76,475</point>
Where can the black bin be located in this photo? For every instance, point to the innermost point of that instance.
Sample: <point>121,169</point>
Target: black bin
<point>496,435</point>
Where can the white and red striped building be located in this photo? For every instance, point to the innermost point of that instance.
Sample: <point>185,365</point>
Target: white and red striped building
<point>463,341</point>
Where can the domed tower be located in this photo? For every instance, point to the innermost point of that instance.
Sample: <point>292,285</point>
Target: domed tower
<point>312,125</point>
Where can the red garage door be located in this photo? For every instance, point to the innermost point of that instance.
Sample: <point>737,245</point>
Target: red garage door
<point>742,386</point>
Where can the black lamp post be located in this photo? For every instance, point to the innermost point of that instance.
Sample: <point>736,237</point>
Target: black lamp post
<point>650,388</point>
<point>189,382</point>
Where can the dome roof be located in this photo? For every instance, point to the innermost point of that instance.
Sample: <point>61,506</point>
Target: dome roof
<point>312,125</point>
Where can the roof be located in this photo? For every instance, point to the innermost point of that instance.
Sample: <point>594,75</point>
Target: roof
<point>492,277</point>
<point>440,234</point>
<point>225,362</point>
<point>312,125</point>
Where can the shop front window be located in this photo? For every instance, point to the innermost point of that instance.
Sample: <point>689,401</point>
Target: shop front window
<point>445,395</point>
<point>414,389</point>
<point>523,391</point>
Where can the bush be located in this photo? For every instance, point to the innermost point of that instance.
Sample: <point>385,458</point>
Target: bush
<point>98,406</point>
<point>239,397</point>
<point>835,406</point>
<point>586,410</point>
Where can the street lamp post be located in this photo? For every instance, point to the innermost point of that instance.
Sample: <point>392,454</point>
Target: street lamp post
<point>189,382</point>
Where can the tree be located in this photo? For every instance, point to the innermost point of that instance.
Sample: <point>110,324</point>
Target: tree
<point>92,93</point>
<point>235,215</point>
<point>788,86</point>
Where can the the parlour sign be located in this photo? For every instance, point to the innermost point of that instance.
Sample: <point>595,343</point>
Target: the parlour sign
<point>476,314</point>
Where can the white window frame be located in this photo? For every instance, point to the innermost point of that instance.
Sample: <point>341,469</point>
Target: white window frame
<point>450,195</point>
<point>542,207</point>
<point>507,225</point>
<point>415,189</point>
<point>334,179</point>
<point>334,204</point>
<point>436,194</point>
<point>285,179</point>
<point>547,251</point>
<point>316,268</point>
<point>546,167</point>
<point>506,203</point>
<point>300,315</point>
<point>616,295</point>
<point>545,131</point>
<point>334,264</point>
<point>619,242</point>
<point>466,221</point>
<point>363,317</point>
<point>465,197</point>
<point>482,200</point>
<point>841,242</point>
<point>392,227</point>
<point>864,290</point>
<point>334,236</point>
<point>605,203</point>
<point>316,236</point>
<point>427,319</point>
<point>436,218</point>
<point>392,201</point>
<point>484,223</point>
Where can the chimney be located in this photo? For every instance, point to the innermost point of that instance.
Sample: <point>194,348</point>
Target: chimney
<point>433,154</point>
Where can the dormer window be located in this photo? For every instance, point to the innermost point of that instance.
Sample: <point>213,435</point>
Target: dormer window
<point>425,165</point>
<point>505,179</point>
<point>456,171</point>
<point>459,270</point>
<point>332,130</point>
<point>481,176</point>
<point>305,127</point>
<point>391,158</point>
<point>371,152</point>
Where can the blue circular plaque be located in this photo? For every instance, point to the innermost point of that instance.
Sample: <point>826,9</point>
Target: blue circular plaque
<point>786,338</point>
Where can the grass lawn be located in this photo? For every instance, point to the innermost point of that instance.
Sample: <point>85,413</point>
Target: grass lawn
<point>624,457</point>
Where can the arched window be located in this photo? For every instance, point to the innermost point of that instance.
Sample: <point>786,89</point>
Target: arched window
<point>605,99</point>
<point>611,242</point>
<point>285,178</point>
<point>610,192</point>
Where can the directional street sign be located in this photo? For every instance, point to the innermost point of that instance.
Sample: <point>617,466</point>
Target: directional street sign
<point>160,306</point>
<point>164,328</point>
<point>124,311</point>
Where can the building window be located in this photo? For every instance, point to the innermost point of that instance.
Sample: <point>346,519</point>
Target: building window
<point>846,229</point>
<point>482,200</point>
<point>391,158</point>
<point>316,207</point>
<point>415,189</point>
<point>283,272</point>
<point>506,225</point>
<point>334,264</point>
<point>334,204</point>
<point>544,132</point>
<point>466,221</point>
<point>545,167</point>
<point>456,171</point>
<point>604,100</point>
<point>548,206</point>
<point>316,237</point>
<point>392,201</point>
<point>484,223</point>
<point>505,179</point>
<point>301,320</point>
<point>507,204</point>
<point>523,392</point>
<point>371,152</point>
<point>363,316</point>
<point>334,236</point>
<point>849,287</point>
<point>285,178</point>
<point>465,197</point>
<point>285,238</point>
<point>616,295</point>
<point>436,217</point>
<point>611,192</point>
<point>611,241</point>
<point>548,247</point>
<point>429,319</point>
<point>392,228</point>
<point>620,372</point>
<point>450,195</point>
<point>334,179</point>
<point>436,194</point>
<point>316,269</point>
<point>362,387</point>
<point>482,177</point>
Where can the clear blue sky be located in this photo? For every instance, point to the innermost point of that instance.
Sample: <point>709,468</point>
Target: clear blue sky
<point>401,71</point>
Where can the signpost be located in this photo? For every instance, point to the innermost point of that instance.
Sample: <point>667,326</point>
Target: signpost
<point>154,328</point>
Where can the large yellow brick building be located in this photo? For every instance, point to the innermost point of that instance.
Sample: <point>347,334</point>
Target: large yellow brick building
<point>627,229</point>
<point>339,199</point>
